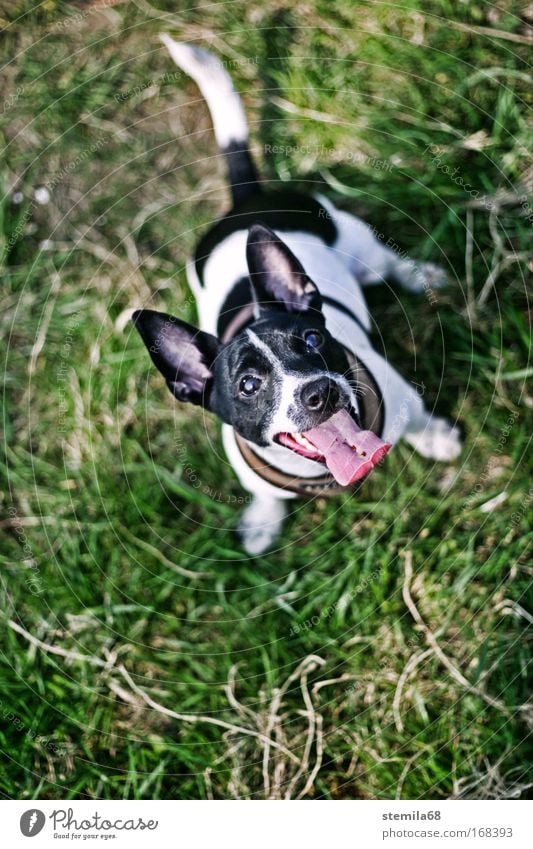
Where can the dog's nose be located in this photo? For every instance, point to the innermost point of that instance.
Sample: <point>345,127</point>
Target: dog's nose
<point>320,395</point>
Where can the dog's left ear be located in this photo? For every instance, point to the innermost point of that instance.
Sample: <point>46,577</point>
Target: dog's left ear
<point>278,278</point>
<point>183,354</point>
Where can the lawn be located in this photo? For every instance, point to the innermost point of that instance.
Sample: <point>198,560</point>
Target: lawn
<point>381,651</point>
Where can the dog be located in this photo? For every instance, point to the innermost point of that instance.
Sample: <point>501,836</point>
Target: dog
<point>283,355</point>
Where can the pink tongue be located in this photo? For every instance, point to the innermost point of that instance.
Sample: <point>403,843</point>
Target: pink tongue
<point>350,453</point>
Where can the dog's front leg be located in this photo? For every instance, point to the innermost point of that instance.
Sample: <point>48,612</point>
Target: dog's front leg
<point>431,436</point>
<point>374,258</point>
<point>434,437</point>
<point>260,524</point>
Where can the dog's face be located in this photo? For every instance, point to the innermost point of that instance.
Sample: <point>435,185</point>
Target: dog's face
<point>280,381</point>
<point>285,374</point>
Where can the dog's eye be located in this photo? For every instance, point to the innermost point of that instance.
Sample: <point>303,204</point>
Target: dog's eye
<point>313,340</point>
<point>249,385</point>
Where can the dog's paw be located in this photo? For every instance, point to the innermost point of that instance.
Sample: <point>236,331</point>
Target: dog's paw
<point>260,525</point>
<point>438,440</point>
<point>256,541</point>
<point>432,276</point>
<point>423,277</point>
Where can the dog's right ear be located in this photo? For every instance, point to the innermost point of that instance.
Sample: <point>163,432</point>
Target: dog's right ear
<point>277,276</point>
<point>183,354</point>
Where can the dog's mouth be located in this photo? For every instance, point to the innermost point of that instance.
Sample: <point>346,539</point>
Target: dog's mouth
<point>349,452</point>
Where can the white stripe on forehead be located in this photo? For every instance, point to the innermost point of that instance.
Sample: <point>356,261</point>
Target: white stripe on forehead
<point>291,382</point>
<point>268,352</point>
<point>300,379</point>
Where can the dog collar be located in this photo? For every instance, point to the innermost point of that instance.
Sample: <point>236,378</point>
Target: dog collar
<point>372,418</point>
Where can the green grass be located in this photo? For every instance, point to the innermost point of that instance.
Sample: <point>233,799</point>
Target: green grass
<point>116,490</point>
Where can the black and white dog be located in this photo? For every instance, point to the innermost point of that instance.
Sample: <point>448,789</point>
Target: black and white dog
<point>283,356</point>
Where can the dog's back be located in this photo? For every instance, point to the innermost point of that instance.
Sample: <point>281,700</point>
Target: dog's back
<point>227,113</point>
<point>309,225</point>
<point>284,356</point>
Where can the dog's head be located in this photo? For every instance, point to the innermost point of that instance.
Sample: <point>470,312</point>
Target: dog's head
<point>283,380</point>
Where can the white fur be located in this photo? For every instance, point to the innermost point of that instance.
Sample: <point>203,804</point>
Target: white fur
<point>373,258</point>
<point>290,384</point>
<point>260,524</point>
<point>326,266</point>
<point>333,270</point>
<point>359,257</point>
<point>209,74</point>
<point>248,478</point>
<point>263,347</point>
<point>437,439</point>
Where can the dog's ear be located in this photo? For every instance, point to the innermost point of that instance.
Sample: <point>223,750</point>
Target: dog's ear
<point>278,278</point>
<point>183,354</point>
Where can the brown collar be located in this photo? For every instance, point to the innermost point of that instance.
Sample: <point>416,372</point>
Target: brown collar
<point>372,418</point>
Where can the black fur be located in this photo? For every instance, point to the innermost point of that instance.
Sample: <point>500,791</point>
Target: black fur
<point>200,369</point>
<point>242,175</point>
<point>183,354</point>
<point>280,209</point>
<point>284,336</point>
<point>278,278</point>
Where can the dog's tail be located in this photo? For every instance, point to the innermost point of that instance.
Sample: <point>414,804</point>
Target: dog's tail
<point>227,114</point>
